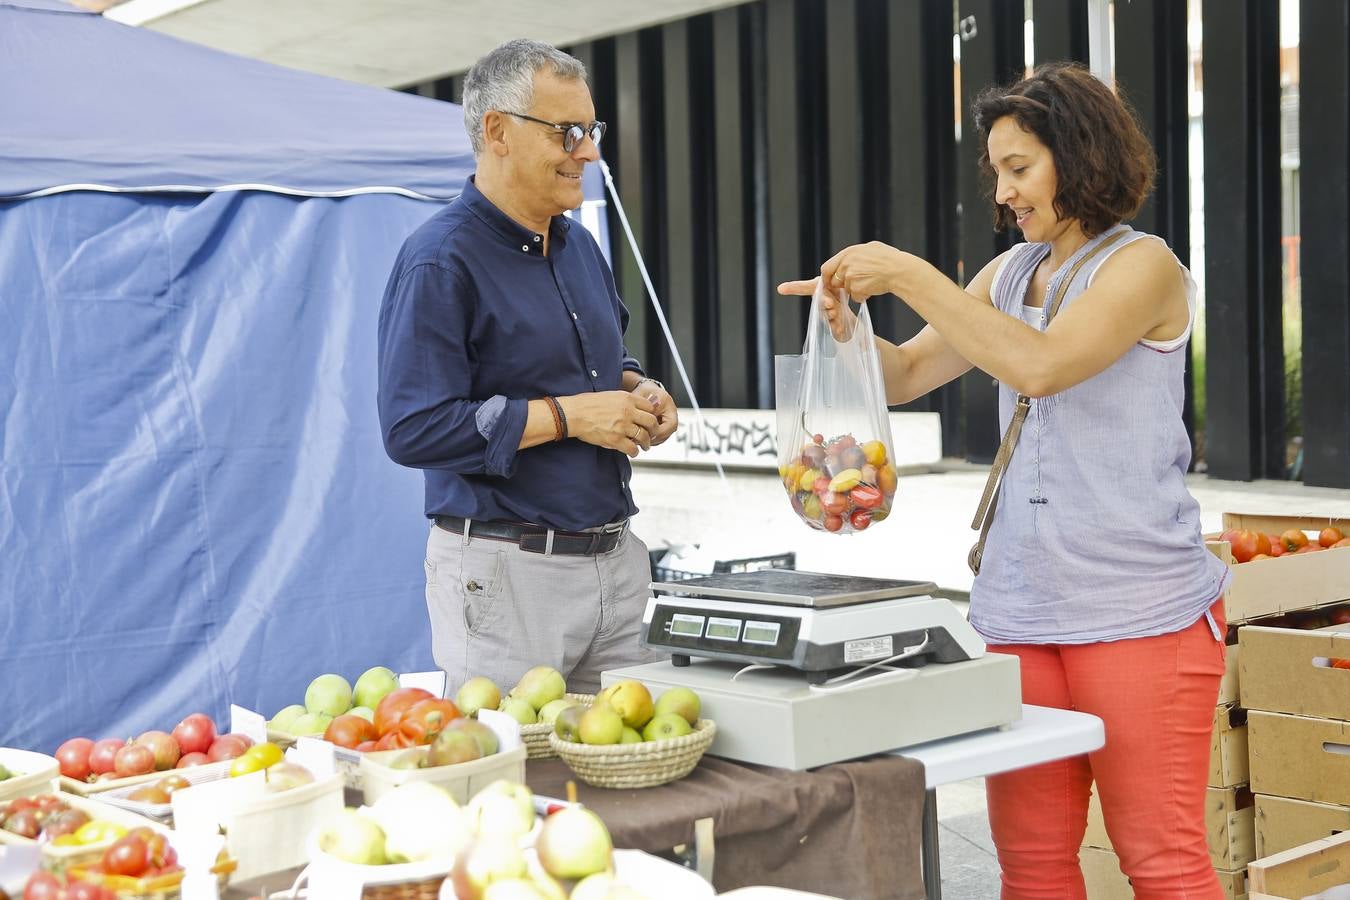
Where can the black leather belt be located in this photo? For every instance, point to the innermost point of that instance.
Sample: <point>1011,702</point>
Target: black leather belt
<point>535,539</point>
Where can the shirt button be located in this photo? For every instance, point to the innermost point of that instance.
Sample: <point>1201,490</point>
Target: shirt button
<point>525,247</point>
<point>574,315</point>
<point>536,238</point>
<point>594,374</point>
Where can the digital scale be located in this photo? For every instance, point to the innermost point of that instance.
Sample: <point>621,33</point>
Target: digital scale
<point>801,669</point>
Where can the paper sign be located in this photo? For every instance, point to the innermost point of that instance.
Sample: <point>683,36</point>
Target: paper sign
<point>315,755</point>
<point>248,723</point>
<point>197,852</point>
<point>17,862</point>
<point>506,728</point>
<point>206,805</point>
<point>331,883</point>
<point>427,681</point>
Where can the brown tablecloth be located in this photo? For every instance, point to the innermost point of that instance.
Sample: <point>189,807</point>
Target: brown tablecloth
<point>850,830</point>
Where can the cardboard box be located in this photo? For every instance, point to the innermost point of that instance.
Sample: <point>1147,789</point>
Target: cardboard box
<point>1303,870</point>
<point>1282,823</point>
<point>1228,747</point>
<point>1101,873</point>
<point>1231,685</point>
<point>1298,581</point>
<point>1230,826</point>
<point>1289,671</point>
<point>1299,757</point>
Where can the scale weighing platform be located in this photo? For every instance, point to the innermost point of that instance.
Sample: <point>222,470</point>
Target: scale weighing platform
<point>801,669</point>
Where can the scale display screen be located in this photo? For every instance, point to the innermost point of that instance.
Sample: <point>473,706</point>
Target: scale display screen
<point>724,629</point>
<point>761,632</point>
<point>682,623</point>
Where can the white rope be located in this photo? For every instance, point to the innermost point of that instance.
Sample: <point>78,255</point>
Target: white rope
<point>660,314</point>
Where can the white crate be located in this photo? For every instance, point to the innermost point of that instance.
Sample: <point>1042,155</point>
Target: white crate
<point>34,773</point>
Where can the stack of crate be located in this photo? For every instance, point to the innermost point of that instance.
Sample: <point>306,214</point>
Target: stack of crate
<point>1261,591</point>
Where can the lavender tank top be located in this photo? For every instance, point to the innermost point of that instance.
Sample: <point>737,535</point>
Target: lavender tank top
<point>1096,537</point>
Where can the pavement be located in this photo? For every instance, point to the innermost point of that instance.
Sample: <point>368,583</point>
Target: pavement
<point>926,537</point>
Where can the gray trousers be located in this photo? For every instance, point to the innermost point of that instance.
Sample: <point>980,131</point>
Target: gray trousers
<point>497,610</point>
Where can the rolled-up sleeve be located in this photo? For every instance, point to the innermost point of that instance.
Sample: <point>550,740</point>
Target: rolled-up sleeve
<point>427,418</point>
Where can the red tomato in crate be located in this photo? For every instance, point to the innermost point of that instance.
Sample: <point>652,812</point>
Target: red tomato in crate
<point>1330,536</point>
<point>1247,544</point>
<point>127,856</point>
<point>1276,545</point>
<point>390,710</point>
<point>426,719</point>
<point>195,733</point>
<point>350,731</point>
<point>1293,539</point>
<point>73,756</point>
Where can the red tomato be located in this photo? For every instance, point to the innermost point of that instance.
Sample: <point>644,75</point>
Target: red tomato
<point>1247,544</point>
<point>1227,536</point>
<point>833,522</point>
<point>188,760</point>
<point>127,856</point>
<point>860,519</point>
<point>834,503</point>
<point>195,733</point>
<point>865,496</point>
<point>1344,543</point>
<point>366,746</point>
<point>395,703</point>
<point>1330,536</point>
<point>42,885</point>
<point>1276,545</point>
<point>73,756</point>
<point>1309,548</point>
<point>348,731</point>
<point>426,719</point>
<point>394,740</point>
<point>134,759</point>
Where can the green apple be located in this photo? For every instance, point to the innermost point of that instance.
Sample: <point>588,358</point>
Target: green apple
<point>478,693</point>
<point>285,718</point>
<point>311,723</point>
<point>568,724</point>
<point>574,843</point>
<point>373,685</point>
<point>550,710</point>
<point>600,725</point>
<point>681,701</point>
<point>665,727</point>
<point>503,807</point>
<point>540,686</point>
<point>353,838</point>
<point>489,859</point>
<point>519,709</point>
<point>630,736</point>
<point>329,694</point>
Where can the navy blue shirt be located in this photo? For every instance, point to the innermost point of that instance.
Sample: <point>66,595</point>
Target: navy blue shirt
<point>476,322</point>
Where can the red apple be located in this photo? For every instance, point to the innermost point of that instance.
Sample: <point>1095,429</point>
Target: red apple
<point>164,747</point>
<point>133,759</point>
<point>195,733</point>
<point>102,757</point>
<point>73,756</point>
<point>188,760</point>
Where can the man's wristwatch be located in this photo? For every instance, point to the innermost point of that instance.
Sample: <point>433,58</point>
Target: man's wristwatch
<point>645,380</point>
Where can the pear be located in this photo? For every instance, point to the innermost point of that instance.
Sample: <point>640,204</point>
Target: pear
<point>540,686</point>
<point>574,843</point>
<point>519,709</point>
<point>568,724</point>
<point>631,700</point>
<point>681,701</point>
<point>478,693</point>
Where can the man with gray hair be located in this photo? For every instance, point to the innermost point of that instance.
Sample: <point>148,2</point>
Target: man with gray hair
<point>504,377</point>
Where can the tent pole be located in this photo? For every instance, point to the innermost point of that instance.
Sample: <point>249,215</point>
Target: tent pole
<point>660,314</point>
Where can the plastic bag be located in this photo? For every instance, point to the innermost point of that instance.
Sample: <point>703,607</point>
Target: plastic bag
<point>835,453</point>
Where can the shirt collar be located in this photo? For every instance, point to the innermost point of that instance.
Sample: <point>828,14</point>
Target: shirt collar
<point>511,231</point>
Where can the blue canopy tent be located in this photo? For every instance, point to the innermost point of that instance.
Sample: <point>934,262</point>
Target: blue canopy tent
<point>195,506</point>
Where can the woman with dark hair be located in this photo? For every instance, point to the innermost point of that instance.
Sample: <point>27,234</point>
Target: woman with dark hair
<point>1094,572</point>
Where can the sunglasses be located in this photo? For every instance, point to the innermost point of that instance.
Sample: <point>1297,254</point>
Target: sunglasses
<point>572,132</point>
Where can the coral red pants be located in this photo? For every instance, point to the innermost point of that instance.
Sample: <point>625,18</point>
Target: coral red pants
<point>1156,696</point>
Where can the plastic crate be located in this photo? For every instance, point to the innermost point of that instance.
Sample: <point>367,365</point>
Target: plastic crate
<point>662,573</point>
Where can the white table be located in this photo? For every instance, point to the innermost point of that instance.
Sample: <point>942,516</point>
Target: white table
<point>1042,734</point>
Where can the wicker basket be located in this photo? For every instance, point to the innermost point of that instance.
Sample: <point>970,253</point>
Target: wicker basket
<point>398,881</point>
<point>159,887</point>
<point>636,765</point>
<point>536,737</point>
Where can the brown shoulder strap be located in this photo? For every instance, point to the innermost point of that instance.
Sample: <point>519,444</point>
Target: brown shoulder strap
<point>984,514</point>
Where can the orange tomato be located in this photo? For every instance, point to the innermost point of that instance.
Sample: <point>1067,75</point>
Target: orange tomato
<point>1276,545</point>
<point>1294,538</point>
<point>1246,544</point>
<point>1330,536</point>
